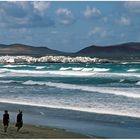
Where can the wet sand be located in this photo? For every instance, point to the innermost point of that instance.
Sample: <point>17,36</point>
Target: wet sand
<point>34,131</point>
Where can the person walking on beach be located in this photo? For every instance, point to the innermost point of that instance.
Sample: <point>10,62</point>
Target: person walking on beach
<point>19,122</point>
<point>5,120</point>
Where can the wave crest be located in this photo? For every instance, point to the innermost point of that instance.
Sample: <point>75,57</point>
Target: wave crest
<point>104,90</point>
<point>132,70</point>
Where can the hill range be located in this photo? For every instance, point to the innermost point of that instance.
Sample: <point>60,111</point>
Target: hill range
<point>124,51</point>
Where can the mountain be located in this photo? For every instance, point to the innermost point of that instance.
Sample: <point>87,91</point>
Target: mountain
<point>122,51</point>
<point>21,49</point>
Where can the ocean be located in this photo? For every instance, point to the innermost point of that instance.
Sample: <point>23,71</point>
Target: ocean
<point>106,89</point>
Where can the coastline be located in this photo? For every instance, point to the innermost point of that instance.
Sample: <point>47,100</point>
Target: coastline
<point>90,99</point>
<point>37,131</point>
<point>84,123</point>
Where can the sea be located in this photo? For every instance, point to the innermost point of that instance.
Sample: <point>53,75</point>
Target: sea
<point>105,89</point>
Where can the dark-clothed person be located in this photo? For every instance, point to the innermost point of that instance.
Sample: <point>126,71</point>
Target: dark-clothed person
<point>19,122</point>
<point>5,120</point>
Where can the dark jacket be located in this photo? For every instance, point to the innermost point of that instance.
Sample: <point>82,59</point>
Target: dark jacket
<point>19,117</point>
<point>5,119</point>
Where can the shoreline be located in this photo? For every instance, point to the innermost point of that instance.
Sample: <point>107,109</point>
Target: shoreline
<point>87,124</point>
<point>71,109</point>
<point>38,131</point>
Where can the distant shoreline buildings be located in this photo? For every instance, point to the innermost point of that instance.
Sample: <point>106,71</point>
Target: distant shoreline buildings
<point>50,59</point>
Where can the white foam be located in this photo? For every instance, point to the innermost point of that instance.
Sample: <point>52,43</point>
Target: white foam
<point>23,71</point>
<point>132,70</point>
<point>119,74</point>
<point>77,69</point>
<point>12,72</point>
<point>100,69</point>
<point>110,111</point>
<point>12,66</point>
<point>138,83</point>
<point>125,63</point>
<point>70,73</point>
<point>9,66</point>
<point>87,69</point>
<point>63,69</point>
<point>85,72</point>
<point>28,71</point>
<point>2,71</point>
<point>122,80</point>
<point>7,81</point>
<point>40,67</point>
<point>132,93</point>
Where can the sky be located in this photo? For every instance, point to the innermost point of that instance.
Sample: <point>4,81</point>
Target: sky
<point>69,25</point>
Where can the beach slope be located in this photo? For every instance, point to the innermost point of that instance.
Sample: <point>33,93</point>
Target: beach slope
<point>32,131</point>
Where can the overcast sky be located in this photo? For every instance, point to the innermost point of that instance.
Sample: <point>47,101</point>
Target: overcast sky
<point>69,26</point>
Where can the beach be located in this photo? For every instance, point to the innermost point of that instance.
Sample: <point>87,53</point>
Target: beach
<point>38,125</point>
<point>72,68</point>
<point>85,123</point>
<point>36,131</point>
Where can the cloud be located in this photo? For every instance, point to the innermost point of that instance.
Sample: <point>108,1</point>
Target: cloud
<point>17,14</point>
<point>12,9</point>
<point>41,6</point>
<point>95,31</point>
<point>65,16</point>
<point>90,13</point>
<point>133,6</point>
<point>124,21</point>
<point>98,32</point>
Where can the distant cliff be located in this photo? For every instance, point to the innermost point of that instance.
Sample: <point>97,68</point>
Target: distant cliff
<point>126,51</point>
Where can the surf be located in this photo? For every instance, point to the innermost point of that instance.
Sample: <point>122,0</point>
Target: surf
<point>86,109</point>
<point>103,90</point>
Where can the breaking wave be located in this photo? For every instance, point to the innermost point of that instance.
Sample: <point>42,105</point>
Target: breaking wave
<point>13,66</point>
<point>133,70</point>
<point>63,69</point>
<point>76,73</point>
<point>133,93</point>
<point>85,69</point>
<point>77,108</point>
<point>77,69</point>
<point>100,69</point>
<point>6,81</point>
<point>40,67</point>
<point>138,83</point>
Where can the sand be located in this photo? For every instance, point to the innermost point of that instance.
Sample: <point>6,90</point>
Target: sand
<point>33,131</point>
